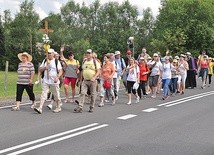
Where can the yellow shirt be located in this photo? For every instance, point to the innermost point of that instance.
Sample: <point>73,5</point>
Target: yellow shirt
<point>71,68</point>
<point>89,69</point>
<point>210,68</point>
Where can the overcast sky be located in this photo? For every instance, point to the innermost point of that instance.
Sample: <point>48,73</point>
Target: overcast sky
<point>44,7</point>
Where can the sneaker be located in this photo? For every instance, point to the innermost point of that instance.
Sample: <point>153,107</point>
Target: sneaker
<point>116,98</point>
<point>153,96</point>
<point>15,108</point>
<point>33,106</point>
<point>113,102</point>
<point>165,97</point>
<point>38,110</point>
<point>101,104</point>
<point>72,101</point>
<point>57,110</point>
<point>107,101</point>
<point>129,103</point>
<point>91,109</point>
<point>77,102</point>
<point>78,110</point>
<point>50,106</point>
<point>137,99</point>
<point>144,96</point>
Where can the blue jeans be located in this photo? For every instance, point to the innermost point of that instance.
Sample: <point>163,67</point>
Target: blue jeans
<point>166,83</point>
<point>173,85</point>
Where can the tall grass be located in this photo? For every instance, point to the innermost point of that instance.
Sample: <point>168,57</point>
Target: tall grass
<point>10,90</point>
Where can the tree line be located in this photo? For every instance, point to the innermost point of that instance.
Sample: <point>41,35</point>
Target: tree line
<point>180,26</point>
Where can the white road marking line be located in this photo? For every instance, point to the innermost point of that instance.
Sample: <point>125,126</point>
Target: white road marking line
<point>184,98</point>
<point>150,110</point>
<point>169,105</point>
<point>127,117</point>
<point>58,140</point>
<point>47,138</point>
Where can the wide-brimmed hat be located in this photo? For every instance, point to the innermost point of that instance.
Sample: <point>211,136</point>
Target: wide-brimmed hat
<point>29,57</point>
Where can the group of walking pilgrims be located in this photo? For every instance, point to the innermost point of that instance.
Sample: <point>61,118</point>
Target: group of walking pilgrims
<point>143,77</point>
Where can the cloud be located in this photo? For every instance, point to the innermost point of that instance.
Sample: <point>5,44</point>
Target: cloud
<point>44,7</point>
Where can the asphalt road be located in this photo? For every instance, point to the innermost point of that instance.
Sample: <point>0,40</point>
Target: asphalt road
<point>181,125</point>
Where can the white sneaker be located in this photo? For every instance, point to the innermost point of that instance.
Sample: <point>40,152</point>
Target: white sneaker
<point>57,110</point>
<point>38,110</point>
<point>129,103</point>
<point>113,102</point>
<point>33,106</point>
<point>153,96</point>
<point>50,106</point>
<point>137,99</point>
<point>101,104</point>
<point>107,101</point>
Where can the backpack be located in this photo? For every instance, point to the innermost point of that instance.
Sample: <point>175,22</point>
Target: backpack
<point>95,64</point>
<point>121,59</point>
<point>56,62</point>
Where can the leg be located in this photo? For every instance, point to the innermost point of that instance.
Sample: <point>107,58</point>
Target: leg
<point>30,93</point>
<point>19,93</point>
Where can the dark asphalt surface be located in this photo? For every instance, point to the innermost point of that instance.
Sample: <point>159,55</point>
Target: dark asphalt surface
<point>183,129</point>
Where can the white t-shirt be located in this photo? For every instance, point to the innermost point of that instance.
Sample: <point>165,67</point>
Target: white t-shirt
<point>132,76</point>
<point>166,68</point>
<point>156,69</point>
<point>116,67</point>
<point>52,71</point>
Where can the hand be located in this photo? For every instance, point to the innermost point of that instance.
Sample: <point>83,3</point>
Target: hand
<point>56,80</point>
<point>93,79</point>
<point>30,82</point>
<point>36,82</point>
<point>62,49</point>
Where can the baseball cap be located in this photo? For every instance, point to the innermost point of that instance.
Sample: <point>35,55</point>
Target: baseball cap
<point>51,50</point>
<point>117,52</point>
<point>155,55</point>
<point>89,50</point>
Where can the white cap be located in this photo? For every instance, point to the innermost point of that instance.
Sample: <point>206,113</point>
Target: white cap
<point>117,52</point>
<point>89,50</point>
<point>155,55</point>
<point>142,58</point>
<point>188,53</point>
<point>51,50</point>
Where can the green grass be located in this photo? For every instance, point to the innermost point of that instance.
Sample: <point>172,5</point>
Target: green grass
<point>10,90</point>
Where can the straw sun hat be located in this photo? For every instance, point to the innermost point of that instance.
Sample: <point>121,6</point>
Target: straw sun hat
<point>29,57</point>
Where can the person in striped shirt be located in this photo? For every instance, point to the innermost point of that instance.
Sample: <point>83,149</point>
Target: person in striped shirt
<point>26,73</point>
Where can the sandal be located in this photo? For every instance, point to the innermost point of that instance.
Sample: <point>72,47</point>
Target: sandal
<point>15,108</point>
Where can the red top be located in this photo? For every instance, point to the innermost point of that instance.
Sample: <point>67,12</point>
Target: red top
<point>144,70</point>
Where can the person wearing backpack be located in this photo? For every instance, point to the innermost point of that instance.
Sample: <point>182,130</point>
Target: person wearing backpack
<point>90,72</point>
<point>121,69</point>
<point>52,73</point>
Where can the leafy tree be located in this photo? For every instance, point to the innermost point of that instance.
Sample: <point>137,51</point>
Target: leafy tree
<point>188,24</point>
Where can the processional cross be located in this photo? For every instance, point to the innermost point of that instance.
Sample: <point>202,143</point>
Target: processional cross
<point>46,41</point>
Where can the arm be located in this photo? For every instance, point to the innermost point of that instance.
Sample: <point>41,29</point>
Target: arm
<point>61,53</point>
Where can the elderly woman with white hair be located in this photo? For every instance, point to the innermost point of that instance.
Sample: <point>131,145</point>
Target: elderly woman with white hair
<point>26,73</point>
